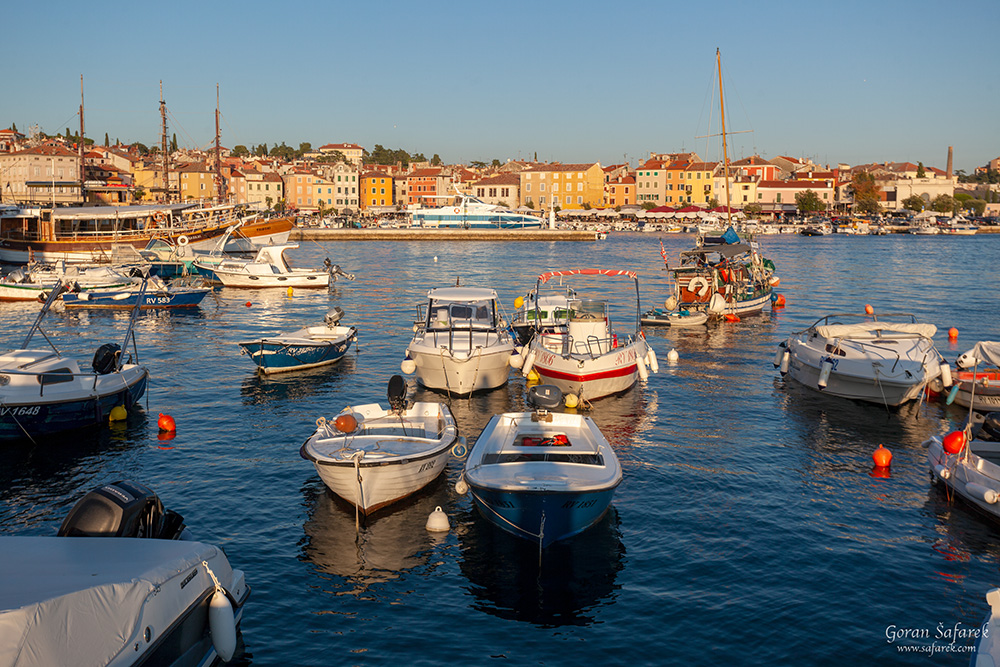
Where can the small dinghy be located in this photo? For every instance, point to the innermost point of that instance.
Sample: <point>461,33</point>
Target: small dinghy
<point>305,348</point>
<point>121,584</point>
<point>542,476</point>
<point>372,456</point>
<point>968,461</point>
<point>977,380</point>
<point>675,318</point>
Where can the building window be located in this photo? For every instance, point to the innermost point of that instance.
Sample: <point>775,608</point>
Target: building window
<point>579,199</point>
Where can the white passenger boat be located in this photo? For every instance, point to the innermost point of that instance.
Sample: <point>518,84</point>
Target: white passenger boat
<point>269,268</point>
<point>586,357</point>
<point>102,593</point>
<point>460,344</point>
<point>472,213</point>
<point>967,461</point>
<point>372,456</point>
<point>872,358</point>
<point>542,476</point>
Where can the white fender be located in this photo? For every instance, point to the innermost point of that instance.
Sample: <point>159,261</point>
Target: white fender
<point>651,360</point>
<point>946,375</point>
<point>717,304</point>
<point>778,355</point>
<point>980,492</point>
<point>515,360</point>
<point>408,366</point>
<point>640,365</point>
<point>698,283</point>
<point>222,624</point>
<point>529,361</point>
<point>785,359</point>
<point>942,471</point>
<point>824,374</point>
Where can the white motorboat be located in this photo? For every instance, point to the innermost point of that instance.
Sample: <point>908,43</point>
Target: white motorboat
<point>542,476</point>
<point>870,359</point>
<point>977,378</point>
<point>372,456</point>
<point>472,213</point>
<point>34,281</point>
<point>269,268</point>
<point>586,357</point>
<point>99,593</point>
<point>988,640</point>
<point>968,461</point>
<point>306,348</point>
<point>44,393</point>
<point>460,343</point>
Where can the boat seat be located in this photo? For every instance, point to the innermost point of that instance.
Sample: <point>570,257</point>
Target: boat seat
<point>986,450</point>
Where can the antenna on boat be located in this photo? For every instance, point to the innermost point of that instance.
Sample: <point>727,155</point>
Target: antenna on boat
<point>53,295</point>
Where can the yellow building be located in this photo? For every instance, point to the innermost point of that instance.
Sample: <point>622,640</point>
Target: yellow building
<point>197,181</point>
<point>563,186</point>
<point>700,181</point>
<point>376,190</point>
<point>148,182</point>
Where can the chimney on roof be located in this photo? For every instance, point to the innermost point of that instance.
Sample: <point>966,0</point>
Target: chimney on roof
<point>949,161</point>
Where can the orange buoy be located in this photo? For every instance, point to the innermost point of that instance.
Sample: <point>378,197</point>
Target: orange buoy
<point>732,317</point>
<point>953,333</point>
<point>881,472</point>
<point>954,442</point>
<point>345,423</point>
<point>166,435</point>
<point>248,304</point>
<point>869,310</point>
<point>779,301</point>
<point>166,423</point>
<point>882,457</point>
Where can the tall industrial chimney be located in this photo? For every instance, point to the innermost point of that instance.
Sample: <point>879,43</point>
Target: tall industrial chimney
<point>949,162</point>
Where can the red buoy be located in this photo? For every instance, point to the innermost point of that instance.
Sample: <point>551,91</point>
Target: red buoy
<point>166,435</point>
<point>779,301</point>
<point>345,423</point>
<point>953,333</point>
<point>869,310</point>
<point>954,442</point>
<point>166,423</point>
<point>881,472</point>
<point>882,457</point>
<point>248,304</point>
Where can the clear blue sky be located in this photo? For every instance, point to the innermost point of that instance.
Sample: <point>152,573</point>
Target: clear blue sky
<point>850,82</point>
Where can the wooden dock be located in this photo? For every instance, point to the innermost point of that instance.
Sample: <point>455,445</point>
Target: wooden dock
<point>389,234</point>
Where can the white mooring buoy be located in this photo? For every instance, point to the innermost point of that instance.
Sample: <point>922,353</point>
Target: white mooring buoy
<point>437,521</point>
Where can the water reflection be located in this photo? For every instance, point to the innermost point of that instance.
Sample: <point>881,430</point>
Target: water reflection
<point>388,544</point>
<point>564,587</point>
<point>260,389</point>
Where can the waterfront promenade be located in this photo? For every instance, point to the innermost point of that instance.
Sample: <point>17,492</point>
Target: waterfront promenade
<point>404,234</point>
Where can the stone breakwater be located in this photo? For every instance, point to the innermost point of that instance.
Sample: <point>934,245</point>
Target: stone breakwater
<point>389,234</point>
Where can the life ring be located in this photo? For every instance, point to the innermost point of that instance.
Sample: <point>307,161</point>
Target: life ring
<point>182,240</point>
<point>695,283</point>
<point>457,211</point>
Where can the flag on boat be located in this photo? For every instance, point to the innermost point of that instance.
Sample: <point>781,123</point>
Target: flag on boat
<point>663,253</point>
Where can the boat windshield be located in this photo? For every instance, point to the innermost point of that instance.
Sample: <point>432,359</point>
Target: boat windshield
<point>472,315</point>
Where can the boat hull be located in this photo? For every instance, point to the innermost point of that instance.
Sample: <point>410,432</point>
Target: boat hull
<point>188,298</point>
<point>985,396</point>
<point>42,416</point>
<point>460,373</point>
<point>958,471</point>
<point>542,517</point>
<point>588,377</point>
<point>283,354</point>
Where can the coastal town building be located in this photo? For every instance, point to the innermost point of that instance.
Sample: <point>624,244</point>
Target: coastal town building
<point>651,182</point>
<point>352,153</point>
<point>778,197</point>
<point>377,191</point>
<point>41,175</point>
<point>564,186</point>
<point>197,181</point>
<point>621,192</point>
<point>11,141</point>
<point>500,189</point>
<point>347,186</point>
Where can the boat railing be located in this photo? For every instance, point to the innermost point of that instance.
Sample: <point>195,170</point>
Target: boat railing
<point>54,376</point>
<point>827,319</point>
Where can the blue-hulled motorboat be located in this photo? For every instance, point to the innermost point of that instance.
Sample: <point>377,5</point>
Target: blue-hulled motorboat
<point>43,392</point>
<point>156,294</point>
<point>542,476</point>
<point>305,348</point>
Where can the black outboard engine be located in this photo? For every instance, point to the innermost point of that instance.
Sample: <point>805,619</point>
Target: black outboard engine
<point>545,396</point>
<point>106,358</point>
<point>121,509</point>
<point>334,316</point>
<point>397,393</point>
<point>990,428</point>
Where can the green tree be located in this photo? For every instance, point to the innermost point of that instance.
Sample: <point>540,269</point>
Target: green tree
<point>866,193</point>
<point>921,172</point>
<point>269,201</point>
<point>107,142</point>
<point>173,143</point>
<point>13,126</point>
<point>809,202</point>
<point>478,164</point>
<point>530,204</point>
<point>753,209</point>
<point>914,203</point>
<point>944,204</point>
<point>240,150</point>
<point>139,193</point>
<point>495,163</point>
<point>976,206</point>
<point>419,157</point>
<point>436,160</point>
<point>139,147</point>
<point>304,147</point>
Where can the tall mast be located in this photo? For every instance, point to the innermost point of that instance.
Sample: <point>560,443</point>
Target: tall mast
<point>163,147</point>
<point>725,152</point>
<point>83,173</point>
<point>220,195</point>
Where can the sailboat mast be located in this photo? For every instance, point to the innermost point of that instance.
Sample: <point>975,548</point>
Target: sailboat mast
<point>163,147</point>
<point>83,172</point>
<point>218,162</point>
<point>725,150</point>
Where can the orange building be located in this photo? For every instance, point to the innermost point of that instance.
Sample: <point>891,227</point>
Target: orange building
<point>376,190</point>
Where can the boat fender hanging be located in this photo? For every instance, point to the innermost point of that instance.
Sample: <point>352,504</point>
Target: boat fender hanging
<point>980,492</point>
<point>945,375</point>
<point>529,361</point>
<point>640,365</point>
<point>785,360</point>
<point>942,472</point>
<point>461,486</point>
<point>222,624</point>
<point>408,366</point>
<point>780,353</point>
<point>700,284</point>
<point>651,360</point>
<point>952,394</point>
<point>182,240</point>
<point>824,373</point>
<point>515,361</point>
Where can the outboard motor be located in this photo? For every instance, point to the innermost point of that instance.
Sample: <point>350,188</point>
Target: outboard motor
<point>545,396</point>
<point>397,393</point>
<point>121,509</point>
<point>990,428</point>
<point>334,316</point>
<point>106,358</point>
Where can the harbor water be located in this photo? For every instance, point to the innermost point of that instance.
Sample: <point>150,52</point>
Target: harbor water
<point>748,528</point>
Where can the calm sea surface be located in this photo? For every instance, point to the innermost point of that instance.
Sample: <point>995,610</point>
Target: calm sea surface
<point>747,528</point>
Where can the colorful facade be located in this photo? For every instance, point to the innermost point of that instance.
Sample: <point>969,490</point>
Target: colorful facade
<point>377,190</point>
<point>563,186</point>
